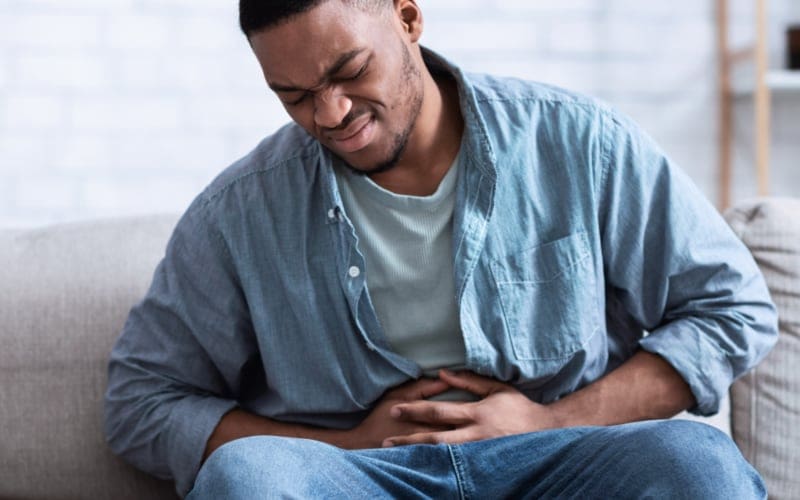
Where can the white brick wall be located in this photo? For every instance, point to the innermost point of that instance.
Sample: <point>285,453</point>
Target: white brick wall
<point>112,107</point>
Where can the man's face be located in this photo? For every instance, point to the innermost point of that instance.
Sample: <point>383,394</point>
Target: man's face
<point>347,76</point>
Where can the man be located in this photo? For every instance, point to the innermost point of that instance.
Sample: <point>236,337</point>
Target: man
<point>436,285</point>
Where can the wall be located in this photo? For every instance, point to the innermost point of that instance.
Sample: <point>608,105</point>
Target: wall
<point>116,107</point>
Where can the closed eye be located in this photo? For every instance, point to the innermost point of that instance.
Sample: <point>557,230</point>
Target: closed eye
<point>298,100</point>
<point>354,77</point>
<point>358,74</point>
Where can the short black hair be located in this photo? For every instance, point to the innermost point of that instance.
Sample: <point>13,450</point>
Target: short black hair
<point>257,15</point>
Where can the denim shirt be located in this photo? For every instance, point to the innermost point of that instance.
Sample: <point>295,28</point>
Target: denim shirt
<point>576,242</point>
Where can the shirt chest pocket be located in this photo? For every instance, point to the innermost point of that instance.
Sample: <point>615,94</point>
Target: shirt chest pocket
<point>548,298</point>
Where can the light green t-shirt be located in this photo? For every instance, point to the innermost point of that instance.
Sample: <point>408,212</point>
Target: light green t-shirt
<point>406,242</point>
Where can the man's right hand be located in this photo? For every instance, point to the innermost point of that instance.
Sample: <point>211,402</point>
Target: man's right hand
<point>370,433</point>
<point>380,425</point>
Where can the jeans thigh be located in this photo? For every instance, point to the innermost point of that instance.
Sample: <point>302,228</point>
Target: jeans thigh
<point>268,467</point>
<point>656,459</point>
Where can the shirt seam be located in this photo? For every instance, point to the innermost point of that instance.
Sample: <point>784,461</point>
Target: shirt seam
<point>588,103</point>
<point>471,229</point>
<point>605,163</point>
<point>586,106</point>
<point>218,236</point>
<point>210,197</point>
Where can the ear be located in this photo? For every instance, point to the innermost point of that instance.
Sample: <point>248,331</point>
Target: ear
<point>410,16</point>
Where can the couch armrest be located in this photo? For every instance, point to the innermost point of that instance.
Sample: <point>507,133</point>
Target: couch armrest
<point>766,401</point>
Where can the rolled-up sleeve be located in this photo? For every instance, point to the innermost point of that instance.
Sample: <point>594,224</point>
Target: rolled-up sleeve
<point>174,370</point>
<point>678,268</point>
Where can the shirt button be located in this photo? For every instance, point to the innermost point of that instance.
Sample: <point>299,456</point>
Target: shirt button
<point>331,214</point>
<point>354,272</point>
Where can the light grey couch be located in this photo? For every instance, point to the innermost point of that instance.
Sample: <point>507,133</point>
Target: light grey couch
<point>65,292</point>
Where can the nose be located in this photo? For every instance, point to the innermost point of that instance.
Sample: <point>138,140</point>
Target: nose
<point>330,108</point>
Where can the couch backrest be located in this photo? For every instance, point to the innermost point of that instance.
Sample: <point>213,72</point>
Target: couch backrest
<point>766,402</point>
<point>65,292</point>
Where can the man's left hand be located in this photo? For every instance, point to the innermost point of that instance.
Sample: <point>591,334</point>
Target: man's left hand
<point>501,411</point>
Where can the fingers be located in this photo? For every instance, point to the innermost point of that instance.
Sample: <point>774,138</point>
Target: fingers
<point>443,437</point>
<point>471,382</point>
<point>434,413</point>
<point>420,389</point>
<point>425,388</point>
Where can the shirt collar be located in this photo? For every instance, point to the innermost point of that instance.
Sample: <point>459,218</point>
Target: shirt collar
<point>475,142</point>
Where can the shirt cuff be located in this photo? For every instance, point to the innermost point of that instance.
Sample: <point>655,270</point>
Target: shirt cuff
<point>697,359</point>
<point>191,422</point>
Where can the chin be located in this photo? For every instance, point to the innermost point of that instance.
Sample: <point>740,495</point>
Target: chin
<point>376,167</point>
<point>369,169</point>
<point>363,163</point>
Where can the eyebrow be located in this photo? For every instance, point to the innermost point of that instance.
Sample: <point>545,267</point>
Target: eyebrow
<point>329,73</point>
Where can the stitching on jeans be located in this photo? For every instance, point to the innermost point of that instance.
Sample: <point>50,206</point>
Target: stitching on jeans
<point>458,468</point>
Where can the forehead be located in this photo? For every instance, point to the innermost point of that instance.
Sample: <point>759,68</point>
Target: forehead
<point>307,44</point>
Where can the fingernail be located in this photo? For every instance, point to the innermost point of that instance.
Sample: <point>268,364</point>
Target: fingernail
<point>395,412</point>
<point>387,444</point>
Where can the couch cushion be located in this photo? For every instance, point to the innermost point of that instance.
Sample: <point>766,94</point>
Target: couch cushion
<point>766,401</point>
<point>65,292</point>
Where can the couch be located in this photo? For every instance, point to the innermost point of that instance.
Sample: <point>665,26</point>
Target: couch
<point>65,292</point>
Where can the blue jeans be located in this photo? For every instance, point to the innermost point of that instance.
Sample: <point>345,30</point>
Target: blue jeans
<point>658,459</point>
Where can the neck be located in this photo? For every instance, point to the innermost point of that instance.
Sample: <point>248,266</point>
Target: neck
<point>433,144</point>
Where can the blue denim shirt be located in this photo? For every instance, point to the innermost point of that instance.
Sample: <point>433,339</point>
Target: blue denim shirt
<point>576,242</point>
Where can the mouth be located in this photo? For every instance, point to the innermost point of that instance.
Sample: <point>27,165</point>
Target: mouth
<point>356,136</point>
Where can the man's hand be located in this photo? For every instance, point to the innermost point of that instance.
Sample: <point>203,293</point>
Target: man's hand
<point>379,424</point>
<point>644,387</point>
<point>502,411</point>
<point>372,431</point>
